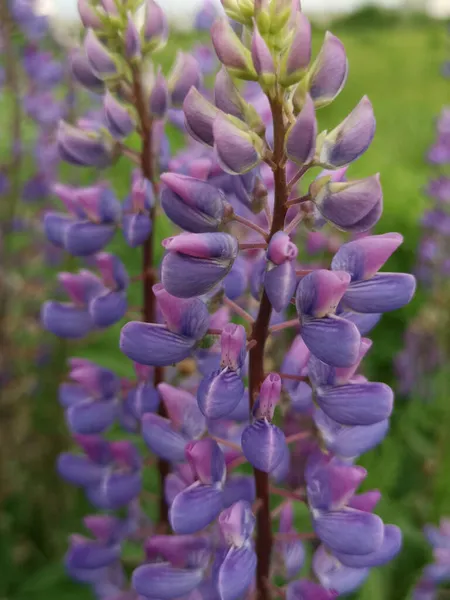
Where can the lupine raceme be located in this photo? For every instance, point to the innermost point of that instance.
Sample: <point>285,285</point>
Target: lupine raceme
<point>246,358</point>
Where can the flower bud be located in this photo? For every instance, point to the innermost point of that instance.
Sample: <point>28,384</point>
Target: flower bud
<point>231,51</point>
<point>226,95</point>
<point>350,206</point>
<point>184,75</point>
<point>328,74</point>
<point>110,7</point>
<point>132,40</point>
<point>269,396</point>
<point>199,117</point>
<point>233,341</point>
<point>101,61</point>
<point>349,140</point>
<point>155,25</point>
<point>301,136</point>
<point>238,151</point>
<point>159,97</point>
<point>118,119</point>
<point>83,74</point>
<point>297,58</point>
<point>262,59</point>
<point>88,15</point>
<point>193,205</point>
<point>237,523</point>
<point>136,229</point>
<point>281,248</point>
<point>83,148</point>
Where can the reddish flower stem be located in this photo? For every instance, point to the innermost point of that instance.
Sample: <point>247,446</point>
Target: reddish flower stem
<point>148,274</point>
<point>264,536</point>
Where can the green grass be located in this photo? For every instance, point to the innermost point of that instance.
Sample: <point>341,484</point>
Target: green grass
<point>398,66</point>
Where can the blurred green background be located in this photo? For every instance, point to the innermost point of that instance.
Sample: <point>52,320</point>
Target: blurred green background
<point>396,61</point>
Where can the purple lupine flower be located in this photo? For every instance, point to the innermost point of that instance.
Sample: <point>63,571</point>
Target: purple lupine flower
<point>196,262</point>
<point>220,392</point>
<point>91,399</point>
<point>91,222</point>
<point>362,259</point>
<point>109,472</point>
<point>169,438</point>
<point>200,503</point>
<point>187,322</point>
<point>330,338</point>
<point>136,220</point>
<point>95,302</point>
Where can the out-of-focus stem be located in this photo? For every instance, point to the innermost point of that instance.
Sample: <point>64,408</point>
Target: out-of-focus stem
<point>148,274</point>
<point>264,536</point>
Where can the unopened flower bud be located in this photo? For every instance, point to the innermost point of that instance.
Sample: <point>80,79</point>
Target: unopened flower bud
<point>231,51</point>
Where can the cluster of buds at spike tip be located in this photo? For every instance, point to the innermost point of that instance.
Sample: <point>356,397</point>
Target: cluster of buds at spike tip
<point>212,357</point>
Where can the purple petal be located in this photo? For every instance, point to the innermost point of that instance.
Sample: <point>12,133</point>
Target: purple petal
<point>351,138</point>
<point>115,491</point>
<point>235,283</point>
<point>307,590</point>
<point>319,292</point>
<point>195,206</point>
<point>237,523</point>
<point>66,320</point>
<point>235,148</point>
<point>329,72</point>
<point>299,53</point>
<point>366,501</point>
<point>188,317</point>
<point>150,344</point>
<point>220,393</point>
<point>293,557</point>
<point>182,410</point>
<point>390,547</point>
<point>109,308</point>
<point>301,136</point>
<point>207,461</point>
<point>142,399</point>
<point>238,487</point>
<point>92,416</point>
<point>185,74</point>
<point>185,276</point>
<point>356,404</point>
<point>263,445</point>
<point>236,573</point>
<point>55,225</point>
<point>349,531</point>
<point>199,117</point>
<point>351,206</point>
<point>195,508</point>
<point>136,229</point>
<point>279,284</point>
<point>364,257</point>
<point>381,293</point>
<point>84,238</point>
<point>161,581</point>
<point>88,554</point>
<point>70,394</point>
<point>349,441</point>
<point>79,470</point>
<point>161,438</point>
<point>364,322</point>
<point>334,576</point>
<point>332,340</point>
